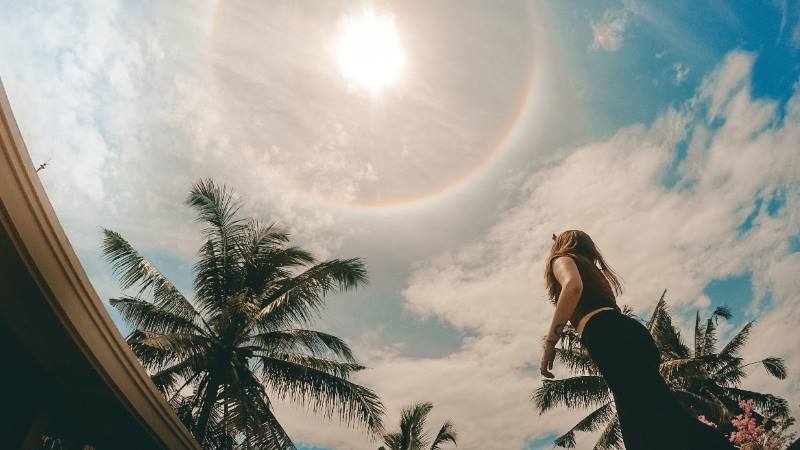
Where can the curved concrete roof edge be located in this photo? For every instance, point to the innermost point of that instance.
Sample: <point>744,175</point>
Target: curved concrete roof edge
<point>39,238</point>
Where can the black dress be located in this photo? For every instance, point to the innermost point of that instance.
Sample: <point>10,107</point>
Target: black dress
<point>649,415</point>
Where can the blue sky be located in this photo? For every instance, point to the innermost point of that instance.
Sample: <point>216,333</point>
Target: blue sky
<point>668,131</point>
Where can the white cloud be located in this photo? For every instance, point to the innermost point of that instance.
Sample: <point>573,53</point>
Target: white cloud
<point>608,32</point>
<point>123,110</point>
<point>723,84</point>
<point>681,72</point>
<point>789,16</point>
<point>796,33</point>
<point>657,237</point>
<point>59,100</point>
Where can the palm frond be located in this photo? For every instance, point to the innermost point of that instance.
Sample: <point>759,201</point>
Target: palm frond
<point>447,433</point>
<point>131,268</point>
<point>611,437</point>
<point>225,237</point>
<point>722,311</point>
<point>210,285</point>
<point>179,345</point>
<point>263,238</point>
<point>412,425</point>
<point>577,360</point>
<point>263,272</point>
<point>709,341</point>
<point>393,441</point>
<point>151,358</point>
<point>252,416</point>
<point>217,208</point>
<point>167,378</point>
<point>708,406</point>
<point>591,422</point>
<point>570,339</point>
<point>660,305</point>
<point>332,367</point>
<point>698,335</point>
<point>684,369</point>
<point>772,405</point>
<point>736,343</point>
<point>709,337</point>
<point>627,311</point>
<point>666,336</point>
<point>262,257</point>
<point>316,342</point>
<point>775,367</point>
<point>729,371</point>
<point>299,299</point>
<point>574,392</point>
<point>146,316</point>
<point>324,392</point>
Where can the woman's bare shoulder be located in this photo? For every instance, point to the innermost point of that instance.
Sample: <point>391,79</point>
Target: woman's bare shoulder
<point>565,261</point>
<point>564,258</point>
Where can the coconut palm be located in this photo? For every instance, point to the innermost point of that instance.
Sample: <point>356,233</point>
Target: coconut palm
<point>705,380</point>
<point>241,342</point>
<point>412,431</point>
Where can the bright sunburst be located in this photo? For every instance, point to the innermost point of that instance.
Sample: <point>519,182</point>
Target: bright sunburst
<point>369,51</point>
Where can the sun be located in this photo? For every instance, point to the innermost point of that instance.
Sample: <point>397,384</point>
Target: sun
<point>369,52</point>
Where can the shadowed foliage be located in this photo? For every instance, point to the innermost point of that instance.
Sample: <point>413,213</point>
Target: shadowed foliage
<point>704,379</point>
<point>412,431</point>
<point>222,357</point>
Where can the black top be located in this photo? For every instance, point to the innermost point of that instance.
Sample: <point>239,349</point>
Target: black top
<point>597,291</point>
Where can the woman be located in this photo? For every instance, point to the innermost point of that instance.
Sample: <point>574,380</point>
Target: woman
<point>585,295</point>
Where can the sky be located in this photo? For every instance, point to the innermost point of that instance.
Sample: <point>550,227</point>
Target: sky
<point>670,132</point>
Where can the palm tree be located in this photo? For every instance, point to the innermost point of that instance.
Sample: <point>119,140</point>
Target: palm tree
<point>412,426</point>
<point>705,380</point>
<point>222,357</point>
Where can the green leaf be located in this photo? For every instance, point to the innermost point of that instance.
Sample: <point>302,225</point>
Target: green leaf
<point>611,437</point>
<point>148,317</point>
<point>775,367</point>
<point>737,342</point>
<point>591,422</point>
<point>294,340</point>
<point>575,392</point>
<point>299,299</point>
<point>323,392</point>
<point>131,268</point>
<point>447,433</point>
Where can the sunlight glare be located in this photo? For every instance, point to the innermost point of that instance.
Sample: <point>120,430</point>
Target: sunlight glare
<point>369,52</point>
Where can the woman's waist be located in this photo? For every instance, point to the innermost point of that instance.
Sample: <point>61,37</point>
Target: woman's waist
<point>585,318</point>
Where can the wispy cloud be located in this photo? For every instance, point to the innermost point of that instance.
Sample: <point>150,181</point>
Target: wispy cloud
<point>796,32</point>
<point>790,18</point>
<point>681,72</point>
<point>122,109</point>
<point>608,32</point>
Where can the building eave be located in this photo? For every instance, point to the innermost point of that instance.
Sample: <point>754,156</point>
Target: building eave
<point>36,235</point>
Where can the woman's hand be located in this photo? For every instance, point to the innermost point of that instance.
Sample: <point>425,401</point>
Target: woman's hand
<point>548,356</point>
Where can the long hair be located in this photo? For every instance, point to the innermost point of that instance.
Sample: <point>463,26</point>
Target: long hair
<point>579,243</point>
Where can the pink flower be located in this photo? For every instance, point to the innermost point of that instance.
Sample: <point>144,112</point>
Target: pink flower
<point>749,435</point>
<point>706,421</point>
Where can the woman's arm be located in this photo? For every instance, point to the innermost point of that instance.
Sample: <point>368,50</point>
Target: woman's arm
<point>566,272</point>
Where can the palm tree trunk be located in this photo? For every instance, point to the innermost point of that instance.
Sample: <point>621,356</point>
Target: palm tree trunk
<point>205,411</point>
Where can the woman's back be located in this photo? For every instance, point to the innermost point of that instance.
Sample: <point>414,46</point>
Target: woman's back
<point>597,291</point>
